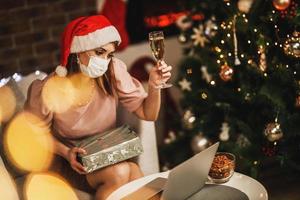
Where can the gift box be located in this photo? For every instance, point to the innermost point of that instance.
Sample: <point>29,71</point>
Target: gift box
<point>109,148</point>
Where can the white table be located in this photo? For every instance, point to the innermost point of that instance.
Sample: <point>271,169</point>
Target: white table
<point>252,188</point>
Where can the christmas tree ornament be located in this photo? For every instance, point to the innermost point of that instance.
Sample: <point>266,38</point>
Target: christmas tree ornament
<point>211,27</point>
<point>199,36</point>
<point>273,131</point>
<point>290,12</point>
<point>205,75</point>
<point>262,58</point>
<point>242,141</point>
<point>245,5</point>
<point>297,104</point>
<point>184,22</point>
<point>185,85</point>
<point>170,138</point>
<point>224,135</point>
<point>292,45</point>
<point>281,4</point>
<point>199,143</point>
<point>182,38</point>
<point>226,72</point>
<point>269,150</point>
<point>236,58</point>
<point>188,119</point>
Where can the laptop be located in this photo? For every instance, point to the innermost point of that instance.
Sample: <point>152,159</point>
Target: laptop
<point>183,181</point>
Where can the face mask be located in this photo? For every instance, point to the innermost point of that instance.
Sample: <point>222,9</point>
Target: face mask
<point>96,67</point>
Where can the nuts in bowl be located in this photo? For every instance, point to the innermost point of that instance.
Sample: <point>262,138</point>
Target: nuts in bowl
<point>222,167</point>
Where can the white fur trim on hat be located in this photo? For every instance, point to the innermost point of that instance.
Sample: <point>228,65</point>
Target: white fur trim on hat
<point>61,71</point>
<point>95,39</point>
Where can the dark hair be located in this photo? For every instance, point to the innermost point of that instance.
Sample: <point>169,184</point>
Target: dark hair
<point>106,83</point>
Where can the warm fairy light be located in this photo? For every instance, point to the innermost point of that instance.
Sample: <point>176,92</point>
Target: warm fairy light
<point>287,66</point>
<point>275,143</point>
<point>48,187</point>
<point>273,11</point>
<point>280,45</point>
<point>265,74</point>
<point>28,142</point>
<point>246,20</point>
<point>295,72</point>
<point>228,35</point>
<point>249,42</point>
<point>221,56</point>
<point>255,162</point>
<point>7,103</point>
<point>250,61</point>
<point>58,94</point>
<point>218,61</point>
<point>229,54</point>
<point>242,55</point>
<point>212,82</point>
<point>267,43</point>
<point>275,43</point>
<point>271,19</point>
<point>228,3</point>
<point>222,41</point>
<point>275,26</point>
<point>8,188</point>
<point>218,49</point>
<point>204,95</point>
<point>255,30</point>
<point>244,15</point>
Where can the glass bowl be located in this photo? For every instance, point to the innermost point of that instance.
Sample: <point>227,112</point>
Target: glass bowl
<point>222,167</point>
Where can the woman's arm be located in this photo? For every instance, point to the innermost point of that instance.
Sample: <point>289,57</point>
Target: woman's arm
<point>69,154</point>
<point>150,107</point>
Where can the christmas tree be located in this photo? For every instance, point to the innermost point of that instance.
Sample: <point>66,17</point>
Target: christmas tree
<point>240,80</point>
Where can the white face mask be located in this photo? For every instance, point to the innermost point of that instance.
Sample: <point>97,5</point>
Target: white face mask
<point>96,67</point>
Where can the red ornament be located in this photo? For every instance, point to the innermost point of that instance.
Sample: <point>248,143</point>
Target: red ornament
<point>281,4</point>
<point>226,72</point>
<point>269,151</point>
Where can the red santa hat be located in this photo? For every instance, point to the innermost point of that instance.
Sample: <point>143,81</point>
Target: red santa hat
<point>83,34</point>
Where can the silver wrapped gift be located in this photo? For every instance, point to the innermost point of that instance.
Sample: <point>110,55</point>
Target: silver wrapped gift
<point>109,148</point>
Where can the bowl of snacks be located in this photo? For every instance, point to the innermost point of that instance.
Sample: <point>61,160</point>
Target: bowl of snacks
<point>222,167</point>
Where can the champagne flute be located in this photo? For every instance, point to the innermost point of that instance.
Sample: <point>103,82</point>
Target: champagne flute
<point>156,39</point>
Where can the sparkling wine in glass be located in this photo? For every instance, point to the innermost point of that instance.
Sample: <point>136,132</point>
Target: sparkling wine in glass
<point>156,39</point>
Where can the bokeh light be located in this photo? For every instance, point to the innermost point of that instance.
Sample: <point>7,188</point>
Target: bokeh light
<point>48,187</point>
<point>8,188</point>
<point>28,142</point>
<point>83,89</point>
<point>58,94</point>
<point>7,103</point>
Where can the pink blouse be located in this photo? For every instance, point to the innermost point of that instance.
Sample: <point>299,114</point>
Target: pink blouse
<point>95,117</point>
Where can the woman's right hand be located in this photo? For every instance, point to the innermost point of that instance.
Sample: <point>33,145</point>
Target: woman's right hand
<point>72,154</point>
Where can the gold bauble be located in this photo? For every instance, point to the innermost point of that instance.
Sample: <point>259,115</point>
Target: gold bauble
<point>281,4</point>
<point>273,132</point>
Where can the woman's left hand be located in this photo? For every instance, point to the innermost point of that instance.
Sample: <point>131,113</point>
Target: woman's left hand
<point>159,74</point>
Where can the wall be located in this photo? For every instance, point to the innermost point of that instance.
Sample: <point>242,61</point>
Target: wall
<point>30,32</point>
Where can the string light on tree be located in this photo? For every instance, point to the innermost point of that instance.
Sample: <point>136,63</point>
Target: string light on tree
<point>188,119</point>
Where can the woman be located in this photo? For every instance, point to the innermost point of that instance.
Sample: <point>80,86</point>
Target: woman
<point>88,45</point>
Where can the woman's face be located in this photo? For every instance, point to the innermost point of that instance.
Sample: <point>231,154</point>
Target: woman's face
<point>106,52</point>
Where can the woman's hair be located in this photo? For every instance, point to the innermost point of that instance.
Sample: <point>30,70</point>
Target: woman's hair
<point>106,82</point>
